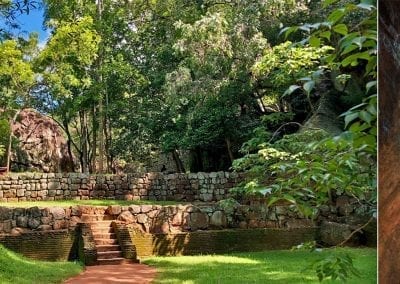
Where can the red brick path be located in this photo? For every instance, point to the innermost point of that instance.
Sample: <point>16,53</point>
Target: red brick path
<point>110,274</point>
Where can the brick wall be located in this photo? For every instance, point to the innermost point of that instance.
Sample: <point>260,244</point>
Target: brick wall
<point>155,186</point>
<point>58,245</point>
<point>222,241</point>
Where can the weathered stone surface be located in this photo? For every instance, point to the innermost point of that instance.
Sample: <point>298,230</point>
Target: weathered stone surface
<point>5,213</point>
<point>42,144</point>
<point>6,226</point>
<point>60,224</point>
<point>127,217</point>
<point>22,221</point>
<point>198,221</point>
<point>332,233</point>
<point>146,208</point>
<point>114,209</point>
<point>34,212</point>
<point>57,212</point>
<point>135,209</point>
<point>299,223</point>
<point>33,223</point>
<point>218,219</point>
<point>18,231</point>
<point>45,228</point>
<point>142,218</point>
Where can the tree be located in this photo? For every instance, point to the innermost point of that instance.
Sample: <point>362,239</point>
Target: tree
<point>66,63</point>
<point>306,171</point>
<point>16,79</point>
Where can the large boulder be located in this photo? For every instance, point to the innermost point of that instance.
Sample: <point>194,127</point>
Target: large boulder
<point>42,145</point>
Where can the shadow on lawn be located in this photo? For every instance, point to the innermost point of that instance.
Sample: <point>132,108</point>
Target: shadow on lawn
<point>259,267</point>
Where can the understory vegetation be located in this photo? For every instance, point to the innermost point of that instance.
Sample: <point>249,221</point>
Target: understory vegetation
<point>15,268</point>
<point>258,267</point>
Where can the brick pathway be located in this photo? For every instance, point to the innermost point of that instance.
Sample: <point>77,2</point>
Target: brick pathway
<point>110,274</point>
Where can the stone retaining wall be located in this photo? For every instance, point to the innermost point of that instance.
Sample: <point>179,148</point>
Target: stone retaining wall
<point>220,241</point>
<point>58,245</point>
<point>152,218</point>
<point>154,186</point>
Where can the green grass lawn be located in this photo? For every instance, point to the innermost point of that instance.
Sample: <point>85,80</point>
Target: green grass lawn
<point>257,267</point>
<point>93,202</point>
<point>17,269</point>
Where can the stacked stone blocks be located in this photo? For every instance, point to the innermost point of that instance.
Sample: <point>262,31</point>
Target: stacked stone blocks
<point>148,186</point>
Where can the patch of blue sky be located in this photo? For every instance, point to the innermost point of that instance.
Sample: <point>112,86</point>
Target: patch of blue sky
<point>28,23</point>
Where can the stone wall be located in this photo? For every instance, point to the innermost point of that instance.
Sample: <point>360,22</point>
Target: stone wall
<point>151,218</point>
<point>155,186</point>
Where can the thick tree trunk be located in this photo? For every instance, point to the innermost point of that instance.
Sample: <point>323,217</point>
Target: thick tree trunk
<point>178,162</point>
<point>326,117</point>
<point>69,145</point>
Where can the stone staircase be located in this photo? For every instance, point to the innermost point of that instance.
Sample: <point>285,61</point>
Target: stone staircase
<point>108,249</point>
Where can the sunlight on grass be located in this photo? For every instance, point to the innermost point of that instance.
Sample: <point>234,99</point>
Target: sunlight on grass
<point>257,267</point>
<point>207,259</point>
<point>92,202</point>
<point>15,268</point>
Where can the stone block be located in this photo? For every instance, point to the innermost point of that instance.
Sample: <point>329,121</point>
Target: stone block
<point>57,212</point>
<point>127,217</point>
<point>218,219</point>
<point>198,220</point>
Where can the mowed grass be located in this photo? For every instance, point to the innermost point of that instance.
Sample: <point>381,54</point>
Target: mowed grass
<point>17,269</point>
<point>257,267</point>
<point>92,202</point>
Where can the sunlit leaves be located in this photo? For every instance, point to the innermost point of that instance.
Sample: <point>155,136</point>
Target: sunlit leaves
<point>16,74</point>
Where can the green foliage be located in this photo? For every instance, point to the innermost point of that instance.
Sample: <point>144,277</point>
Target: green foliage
<point>306,173</point>
<point>355,43</point>
<point>1,150</point>
<point>67,57</point>
<point>335,266</point>
<point>16,75</point>
<point>4,138</point>
<point>283,64</point>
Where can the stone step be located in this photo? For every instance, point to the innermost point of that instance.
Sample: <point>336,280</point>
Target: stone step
<point>92,218</point>
<point>117,260</point>
<point>103,248</point>
<point>104,236</point>
<point>109,254</point>
<point>106,242</point>
<point>98,224</point>
<point>102,230</point>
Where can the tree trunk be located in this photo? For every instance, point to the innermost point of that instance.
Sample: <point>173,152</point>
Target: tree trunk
<point>69,145</point>
<point>228,147</point>
<point>179,165</point>
<point>94,139</point>
<point>84,143</point>
<point>10,137</point>
<point>100,80</point>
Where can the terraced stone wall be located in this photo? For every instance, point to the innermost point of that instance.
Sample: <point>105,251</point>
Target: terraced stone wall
<point>153,186</point>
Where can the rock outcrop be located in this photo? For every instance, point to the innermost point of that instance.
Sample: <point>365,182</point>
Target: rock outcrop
<point>41,144</point>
